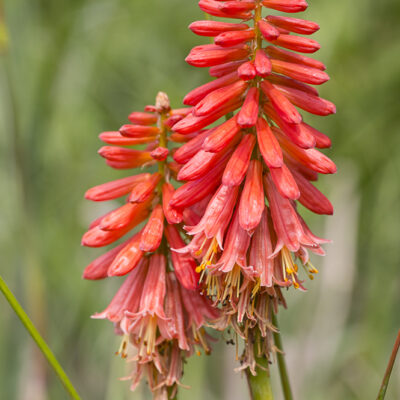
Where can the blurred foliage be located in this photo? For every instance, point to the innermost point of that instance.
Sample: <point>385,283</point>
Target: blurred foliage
<point>74,68</point>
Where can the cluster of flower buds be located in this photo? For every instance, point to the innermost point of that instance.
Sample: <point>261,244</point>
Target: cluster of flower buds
<point>159,309</point>
<point>253,169</point>
<point>222,246</point>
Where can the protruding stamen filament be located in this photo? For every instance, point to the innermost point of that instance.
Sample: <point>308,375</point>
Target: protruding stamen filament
<point>289,267</point>
<point>310,270</point>
<point>123,348</point>
<point>208,259</point>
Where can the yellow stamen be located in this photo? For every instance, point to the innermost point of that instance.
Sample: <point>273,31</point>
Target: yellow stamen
<point>256,287</point>
<point>232,283</point>
<point>209,256</point>
<point>213,286</point>
<point>123,348</point>
<point>289,267</point>
<point>310,270</point>
<point>202,341</point>
<point>200,250</point>
<point>150,335</point>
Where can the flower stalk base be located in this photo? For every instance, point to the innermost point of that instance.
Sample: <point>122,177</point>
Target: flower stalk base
<point>260,384</point>
<point>287,390</point>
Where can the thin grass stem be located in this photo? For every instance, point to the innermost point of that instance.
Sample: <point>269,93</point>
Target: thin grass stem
<point>42,345</point>
<point>386,378</point>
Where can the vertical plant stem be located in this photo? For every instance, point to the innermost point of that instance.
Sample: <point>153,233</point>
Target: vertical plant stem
<point>172,396</point>
<point>385,382</point>
<point>287,390</point>
<point>260,384</point>
<point>44,348</point>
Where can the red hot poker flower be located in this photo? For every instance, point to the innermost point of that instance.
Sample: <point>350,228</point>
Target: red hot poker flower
<point>150,308</point>
<point>247,243</point>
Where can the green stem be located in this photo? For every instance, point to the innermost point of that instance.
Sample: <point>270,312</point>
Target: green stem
<point>287,391</point>
<point>170,391</point>
<point>385,382</point>
<point>260,384</point>
<point>44,348</point>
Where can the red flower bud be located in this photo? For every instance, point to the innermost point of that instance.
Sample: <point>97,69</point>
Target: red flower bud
<point>297,43</point>
<point>142,118</point>
<point>252,201</point>
<point>138,131</point>
<point>289,82</point>
<point>223,69</point>
<point>285,183</point>
<point>144,190</point>
<point>153,231</point>
<point>160,153</point>
<point>193,97</point>
<point>302,73</point>
<point>247,71</point>
<point>228,39</point>
<point>289,6</point>
<point>262,64</point>
<point>269,146</point>
<point>172,215</point>
<point>118,139</point>
<point>283,107</point>
<point>209,55</point>
<point>214,28</point>
<point>268,31</point>
<point>295,25</point>
<point>215,100</point>
<point>308,102</point>
<point>221,136</point>
<point>114,189</point>
<point>237,166</point>
<point>247,116</point>
<point>284,55</point>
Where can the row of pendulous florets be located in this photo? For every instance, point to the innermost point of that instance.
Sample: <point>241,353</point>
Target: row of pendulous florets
<point>218,249</point>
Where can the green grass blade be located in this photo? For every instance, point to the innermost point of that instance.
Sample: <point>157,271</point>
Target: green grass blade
<point>44,348</point>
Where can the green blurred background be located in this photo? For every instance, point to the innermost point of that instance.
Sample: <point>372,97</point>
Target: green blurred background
<point>75,68</point>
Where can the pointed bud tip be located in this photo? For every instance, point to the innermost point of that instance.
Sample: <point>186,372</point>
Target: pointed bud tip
<point>162,102</point>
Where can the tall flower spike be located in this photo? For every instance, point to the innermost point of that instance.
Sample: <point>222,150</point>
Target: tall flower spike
<point>158,309</point>
<point>251,237</point>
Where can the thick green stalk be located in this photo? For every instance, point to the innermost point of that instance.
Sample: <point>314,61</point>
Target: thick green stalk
<point>260,384</point>
<point>385,382</point>
<point>44,348</point>
<point>287,391</point>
